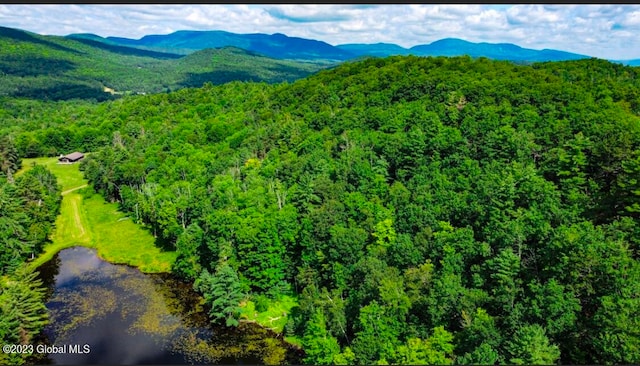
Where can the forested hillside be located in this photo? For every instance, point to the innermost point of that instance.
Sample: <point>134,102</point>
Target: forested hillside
<point>422,210</point>
<point>58,68</point>
<point>28,207</point>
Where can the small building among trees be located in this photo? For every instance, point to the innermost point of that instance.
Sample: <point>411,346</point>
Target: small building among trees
<point>71,158</point>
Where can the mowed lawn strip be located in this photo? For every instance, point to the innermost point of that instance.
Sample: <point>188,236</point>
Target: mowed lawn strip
<point>87,220</point>
<point>70,230</point>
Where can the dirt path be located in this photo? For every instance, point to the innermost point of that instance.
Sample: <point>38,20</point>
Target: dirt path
<point>73,189</point>
<point>76,217</point>
<point>87,220</point>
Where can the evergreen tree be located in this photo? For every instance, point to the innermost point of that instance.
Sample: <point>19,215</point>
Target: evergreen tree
<point>22,311</point>
<point>9,159</point>
<point>222,291</point>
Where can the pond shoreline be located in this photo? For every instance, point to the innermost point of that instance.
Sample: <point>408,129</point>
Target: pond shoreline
<point>152,307</point>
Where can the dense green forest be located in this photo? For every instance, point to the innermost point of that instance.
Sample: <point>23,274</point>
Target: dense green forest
<point>29,205</point>
<point>421,210</point>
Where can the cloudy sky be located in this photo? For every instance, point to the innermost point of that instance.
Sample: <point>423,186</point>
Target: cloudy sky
<point>605,31</point>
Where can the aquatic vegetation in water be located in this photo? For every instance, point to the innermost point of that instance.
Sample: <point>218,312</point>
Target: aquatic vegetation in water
<point>153,316</point>
<point>80,308</point>
<point>156,311</point>
<point>248,342</point>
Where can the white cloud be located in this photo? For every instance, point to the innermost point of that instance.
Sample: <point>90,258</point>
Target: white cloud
<point>596,30</point>
<point>487,20</point>
<point>534,14</point>
<point>631,19</point>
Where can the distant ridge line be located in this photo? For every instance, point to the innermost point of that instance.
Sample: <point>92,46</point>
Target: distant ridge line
<point>279,45</point>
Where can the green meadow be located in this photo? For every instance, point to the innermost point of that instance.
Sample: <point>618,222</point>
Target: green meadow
<point>86,219</point>
<point>275,317</point>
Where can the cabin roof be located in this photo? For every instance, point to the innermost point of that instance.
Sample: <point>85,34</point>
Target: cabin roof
<point>74,156</point>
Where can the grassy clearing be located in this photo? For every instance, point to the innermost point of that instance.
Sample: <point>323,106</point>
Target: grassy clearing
<point>119,240</point>
<point>69,176</point>
<point>274,318</point>
<point>91,222</point>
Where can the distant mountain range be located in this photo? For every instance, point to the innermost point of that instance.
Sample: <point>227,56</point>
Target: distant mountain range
<point>457,47</point>
<point>630,62</point>
<point>275,45</point>
<point>284,47</point>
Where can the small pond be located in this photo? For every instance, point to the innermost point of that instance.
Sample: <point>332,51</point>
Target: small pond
<point>127,317</point>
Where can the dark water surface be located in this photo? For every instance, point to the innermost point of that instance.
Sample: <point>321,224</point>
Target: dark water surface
<point>126,317</point>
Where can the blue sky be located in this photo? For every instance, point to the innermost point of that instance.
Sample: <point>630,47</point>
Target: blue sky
<point>605,31</point>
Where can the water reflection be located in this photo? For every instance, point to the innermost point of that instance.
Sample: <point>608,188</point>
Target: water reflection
<point>127,317</point>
